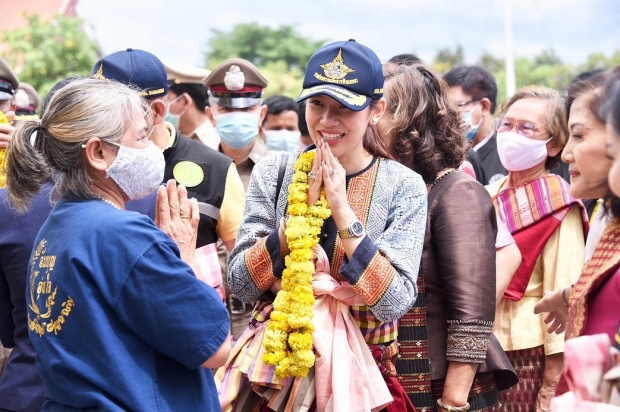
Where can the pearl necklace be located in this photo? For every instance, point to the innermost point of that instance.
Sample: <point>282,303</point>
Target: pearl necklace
<point>114,205</point>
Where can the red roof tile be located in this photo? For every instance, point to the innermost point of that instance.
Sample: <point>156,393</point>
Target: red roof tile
<point>13,10</point>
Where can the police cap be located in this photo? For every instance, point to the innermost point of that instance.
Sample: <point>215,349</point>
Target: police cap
<point>236,83</point>
<point>179,73</point>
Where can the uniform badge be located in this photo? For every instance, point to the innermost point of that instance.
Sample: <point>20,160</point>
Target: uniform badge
<point>336,69</point>
<point>99,73</point>
<point>234,79</point>
<point>187,173</point>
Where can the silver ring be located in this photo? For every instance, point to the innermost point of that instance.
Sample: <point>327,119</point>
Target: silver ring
<point>312,175</point>
<point>333,172</point>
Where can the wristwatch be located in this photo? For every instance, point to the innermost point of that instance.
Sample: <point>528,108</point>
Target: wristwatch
<point>355,229</point>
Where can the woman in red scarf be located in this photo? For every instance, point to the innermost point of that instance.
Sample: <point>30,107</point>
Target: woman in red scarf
<point>548,226</point>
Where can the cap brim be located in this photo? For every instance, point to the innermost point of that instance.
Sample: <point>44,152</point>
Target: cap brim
<point>349,99</point>
<point>5,96</point>
<point>237,102</point>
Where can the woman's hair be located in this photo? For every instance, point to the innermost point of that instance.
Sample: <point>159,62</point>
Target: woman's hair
<point>592,87</point>
<point>555,117</point>
<point>81,110</point>
<point>609,111</point>
<point>372,141</point>
<point>425,130</point>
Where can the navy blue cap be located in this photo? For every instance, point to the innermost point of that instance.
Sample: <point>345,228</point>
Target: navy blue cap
<point>137,68</point>
<point>347,71</point>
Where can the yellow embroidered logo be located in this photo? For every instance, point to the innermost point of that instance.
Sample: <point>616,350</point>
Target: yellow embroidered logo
<point>43,290</point>
<point>99,73</point>
<point>187,173</point>
<point>336,71</point>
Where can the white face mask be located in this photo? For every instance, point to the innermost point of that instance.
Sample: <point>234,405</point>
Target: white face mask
<point>287,140</point>
<point>518,152</point>
<point>138,172</point>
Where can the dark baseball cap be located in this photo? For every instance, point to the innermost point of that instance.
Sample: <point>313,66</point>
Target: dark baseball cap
<point>346,71</point>
<point>137,68</point>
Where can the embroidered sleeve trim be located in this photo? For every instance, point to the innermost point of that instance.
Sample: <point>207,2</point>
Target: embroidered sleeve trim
<point>258,263</point>
<point>375,280</point>
<point>468,341</point>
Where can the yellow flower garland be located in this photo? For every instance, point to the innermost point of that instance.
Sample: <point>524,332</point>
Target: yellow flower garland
<point>3,120</point>
<point>288,338</point>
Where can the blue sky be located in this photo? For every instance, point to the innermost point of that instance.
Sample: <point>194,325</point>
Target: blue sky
<point>178,30</point>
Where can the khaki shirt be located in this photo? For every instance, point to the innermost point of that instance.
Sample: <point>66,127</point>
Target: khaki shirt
<point>206,133</point>
<point>245,168</point>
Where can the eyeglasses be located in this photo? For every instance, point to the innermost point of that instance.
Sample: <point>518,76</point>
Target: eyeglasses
<point>463,104</point>
<point>526,129</point>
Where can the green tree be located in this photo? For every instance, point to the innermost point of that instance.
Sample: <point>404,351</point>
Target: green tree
<point>261,45</point>
<point>280,54</point>
<point>600,61</point>
<point>547,58</point>
<point>490,62</point>
<point>45,52</point>
<point>446,59</point>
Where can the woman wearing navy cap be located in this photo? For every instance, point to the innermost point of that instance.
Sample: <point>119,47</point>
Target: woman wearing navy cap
<point>330,249</point>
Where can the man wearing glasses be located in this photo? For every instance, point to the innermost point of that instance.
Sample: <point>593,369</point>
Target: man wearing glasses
<point>474,91</point>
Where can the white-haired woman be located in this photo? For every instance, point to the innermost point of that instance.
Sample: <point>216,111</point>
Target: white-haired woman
<point>115,313</point>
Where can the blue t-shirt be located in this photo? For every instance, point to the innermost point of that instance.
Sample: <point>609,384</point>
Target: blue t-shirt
<point>118,320</point>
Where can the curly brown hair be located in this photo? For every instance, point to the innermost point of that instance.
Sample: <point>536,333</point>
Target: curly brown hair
<point>424,129</point>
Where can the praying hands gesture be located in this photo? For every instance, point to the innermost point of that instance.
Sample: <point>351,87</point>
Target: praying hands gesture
<point>178,217</point>
<point>328,173</point>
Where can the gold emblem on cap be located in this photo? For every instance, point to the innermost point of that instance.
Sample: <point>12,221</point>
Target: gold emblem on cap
<point>99,73</point>
<point>187,173</point>
<point>234,79</point>
<point>336,71</point>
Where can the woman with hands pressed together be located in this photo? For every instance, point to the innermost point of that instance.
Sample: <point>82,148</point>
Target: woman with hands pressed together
<point>331,256</point>
<point>117,317</point>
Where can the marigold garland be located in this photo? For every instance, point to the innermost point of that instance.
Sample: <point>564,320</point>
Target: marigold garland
<point>288,338</point>
<point>3,120</point>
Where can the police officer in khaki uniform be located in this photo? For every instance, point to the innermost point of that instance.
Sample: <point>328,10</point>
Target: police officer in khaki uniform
<point>8,85</point>
<point>237,111</point>
<point>187,100</point>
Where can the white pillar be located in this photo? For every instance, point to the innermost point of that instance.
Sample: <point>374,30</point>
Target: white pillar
<point>511,81</point>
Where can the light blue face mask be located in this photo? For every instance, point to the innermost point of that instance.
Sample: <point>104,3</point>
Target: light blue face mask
<point>287,140</point>
<point>173,119</point>
<point>237,129</point>
<point>472,129</point>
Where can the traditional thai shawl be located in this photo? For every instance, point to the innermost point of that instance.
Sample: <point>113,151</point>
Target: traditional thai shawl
<point>604,263</point>
<point>533,212</point>
<point>346,376</point>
